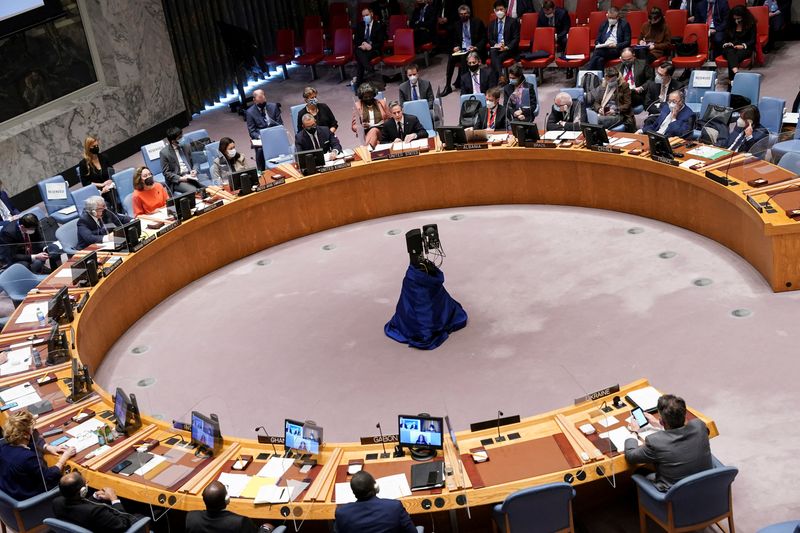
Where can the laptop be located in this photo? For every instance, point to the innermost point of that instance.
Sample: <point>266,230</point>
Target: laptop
<point>428,475</point>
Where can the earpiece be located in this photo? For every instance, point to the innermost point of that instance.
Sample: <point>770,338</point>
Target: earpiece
<point>377,488</point>
<point>84,491</point>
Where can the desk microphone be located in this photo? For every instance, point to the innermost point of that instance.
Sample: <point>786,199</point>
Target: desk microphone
<point>384,455</point>
<point>545,120</point>
<point>499,438</point>
<point>262,428</point>
<point>72,335</point>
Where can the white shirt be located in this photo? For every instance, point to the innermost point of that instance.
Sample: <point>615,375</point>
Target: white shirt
<point>611,42</point>
<point>667,121</point>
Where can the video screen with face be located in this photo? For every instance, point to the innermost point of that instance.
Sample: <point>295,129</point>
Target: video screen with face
<point>204,430</point>
<point>418,431</point>
<point>303,438</point>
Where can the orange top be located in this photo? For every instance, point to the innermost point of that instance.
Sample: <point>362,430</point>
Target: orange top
<point>145,202</point>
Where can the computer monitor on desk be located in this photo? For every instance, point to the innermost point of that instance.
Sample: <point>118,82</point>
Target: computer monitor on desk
<point>244,181</point>
<point>127,236</point>
<point>84,271</point>
<point>451,136</point>
<point>59,308</point>
<point>206,434</point>
<point>421,434</point>
<point>594,134</point>
<point>659,146</point>
<point>180,206</point>
<point>309,160</point>
<point>525,132</point>
<point>301,437</point>
<point>126,412</point>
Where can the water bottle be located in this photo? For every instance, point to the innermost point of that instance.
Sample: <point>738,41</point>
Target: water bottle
<point>101,437</point>
<point>40,316</point>
<point>37,358</point>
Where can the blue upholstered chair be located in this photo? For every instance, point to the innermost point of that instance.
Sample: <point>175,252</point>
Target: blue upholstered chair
<point>54,205</point>
<point>153,164</point>
<point>747,84</point>
<point>275,143</point>
<point>721,98</point>
<point>419,108</point>
<point>542,509</point>
<point>792,526</point>
<point>17,280</point>
<point>581,73</point>
<point>771,111</point>
<point>127,205</point>
<point>782,148</point>
<point>791,162</point>
<point>26,515</point>
<point>480,97</point>
<point>531,78</point>
<point>694,93</point>
<point>576,93</point>
<point>67,235</point>
<point>592,117</point>
<point>212,152</point>
<point>295,113</point>
<point>36,210</point>
<point>62,526</point>
<point>694,502</point>
<point>84,193</point>
<point>200,162</point>
<point>123,180</point>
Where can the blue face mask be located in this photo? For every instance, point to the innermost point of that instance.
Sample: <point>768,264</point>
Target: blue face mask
<point>367,19</point>
<point>514,81</point>
<point>312,101</point>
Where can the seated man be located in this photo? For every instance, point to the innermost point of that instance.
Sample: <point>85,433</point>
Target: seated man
<point>401,127</point>
<point>311,137</point>
<point>657,91</point>
<point>22,242</point>
<point>613,36</point>
<point>370,513</point>
<point>477,79</point>
<point>261,115</point>
<point>503,37</point>
<point>215,519</point>
<point>567,114</point>
<point>177,165</point>
<point>747,132</point>
<point>94,222</point>
<point>675,120</point>
<point>637,73</point>
<point>612,101</point>
<point>102,513</point>
<point>555,17</point>
<point>466,34</point>
<point>415,88</point>
<point>677,452</point>
<point>423,22</point>
<point>493,116</point>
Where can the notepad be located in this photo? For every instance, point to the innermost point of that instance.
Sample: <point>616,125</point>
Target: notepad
<point>234,483</point>
<point>87,440</point>
<point>90,425</point>
<point>9,395</point>
<point>344,494</point>
<point>618,437</point>
<point>275,467</point>
<point>646,398</point>
<point>393,487</point>
<point>255,484</point>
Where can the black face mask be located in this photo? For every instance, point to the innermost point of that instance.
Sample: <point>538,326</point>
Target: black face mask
<point>464,18</point>
<point>474,68</point>
<point>312,130</point>
<point>369,101</point>
<point>94,150</point>
<point>262,105</point>
<point>149,181</point>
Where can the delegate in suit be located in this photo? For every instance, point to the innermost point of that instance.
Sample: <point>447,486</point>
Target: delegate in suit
<point>675,119</point>
<point>503,36</point>
<point>312,138</point>
<point>477,79</point>
<point>102,513</point>
<point>370,514</point>
<point>613,36</point>
<point>94,222</point>
<point>415,88</point>
<point>261,115</point>
<point>215,518</point>
<point>401,126</point>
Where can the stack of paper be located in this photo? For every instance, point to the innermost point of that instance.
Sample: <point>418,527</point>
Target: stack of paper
<point>149,465</point>
<point>234,483</point>
<point>80,443</point>
<point>618,437</point>
<point>646,398</point>
<point>394,487</point>
<point>343,493</point>
<point>23,395</point>
<point>17,361</point>
<point>273,494</point>
<point>276,467</point>
<point>90,425</point>
<point>28,313</point>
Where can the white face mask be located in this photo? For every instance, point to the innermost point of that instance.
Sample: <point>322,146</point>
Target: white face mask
<point>490,104</point>
<point>231,153</point>
<point>413,79</point>
<point>672,106</point>
<point>741,122</point>
<point>659,79</point>
<point>500,14</point>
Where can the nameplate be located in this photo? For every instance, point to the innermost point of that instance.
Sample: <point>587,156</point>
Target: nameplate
<point>719,178</point>
<point>755,204</point>
<point>472,146</point>
<point>398,155</point>
<point>538,144</point>
<point>141,244</point>
<point>592,396</point>
<point>112,263</point>
<point>607,149</point>
<point>331,168</point>
<point>169,227</point>
<point>271,184</point>
<point>366,441</point>
<point>793,213</point>
<point>208,208</point>
<point>666,160</point>
<point>263,439</point>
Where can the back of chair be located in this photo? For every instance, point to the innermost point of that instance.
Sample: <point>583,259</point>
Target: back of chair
<point>31,512</point>
<point>703,496</point>
<point>338,22</point>
<point>404,42</point>
<point>578,41</point>
<point>582,73</point>
<point>284,45</point>
<point>791,162</point>
<point>419,108</point>
<point>60,526</point>
<point>771,110</point>
<point>296,109</point>
<point>676,20</point>
<point>67,235</point>
<point>722,98</point>
<point>576,93</point>
<point>150,156</point>
<point>544,40</point>
<point>528,26</point>
<point>761,14</point>
<point>697,33</point>
<point>314,41</point>
<point>663,5</point>
<point>596,19</point>
<point>343,42</point>
<point>84,193</point>
<point>124,181</point>
<point>582,10</point>
<point>747,84</point>
<point>312,22</point>
<point>480,97</point>
<point>696,90</point>
<point>619,4</point>
<point>544,509</point>
<point>53,202</point>
<point>397,22</point>
<point>275,142</point>
<point>212,151</point>
<point>636,19</point>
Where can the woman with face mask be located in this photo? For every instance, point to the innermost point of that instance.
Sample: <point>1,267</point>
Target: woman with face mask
<point>95,168</point>
<point>740,38</point>
<point>370,113</point>
<point>318,110</point>
<point>655,35</point>
<point>148,194</point>
<point>612,101</point>
<point>229,162</point>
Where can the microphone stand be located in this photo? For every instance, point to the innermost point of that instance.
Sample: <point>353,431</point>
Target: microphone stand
<point>385,454</point>
<point>499,437</point>
<point>266,440</point>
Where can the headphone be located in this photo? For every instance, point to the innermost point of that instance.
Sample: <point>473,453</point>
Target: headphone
<point>84,491</point>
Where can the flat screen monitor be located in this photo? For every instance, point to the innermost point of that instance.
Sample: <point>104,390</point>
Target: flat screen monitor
<point>59,308</point>
<point>128,235</point>
<point>84,270</point>
<point>181,205</point>
<point>126,412</point>
<point>244,181</point>
<point>525,131</point>
<point>309,160</point>
<point>594,134</point>
<point>420,432</point>
<point>451,136</point>
<point>659,145</point>
<point>302,437</point>
<point>206,433</point>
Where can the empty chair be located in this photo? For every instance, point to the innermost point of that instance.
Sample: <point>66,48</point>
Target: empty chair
<point>419,108</point>
<point>276,145</point>
<point>720,98</point>
<point>577,44</point>
<point>284,51</point>
<point>582,11</point>
<point>396,22</point>
<point>544,40</point>
<point>761,14</point>
<point>17,280</point>
<point>342,50</point>
<point>700,82</point>
<point>542,509</point>
<point>62,526</point>
<point>313,50</point>
<point>676,20</point>
<point>67,235</point>
<point>81,195</point>
<point>26,515</point>
<point>527,29</point>
<point>791,162</point>
<point>57,199</point>
<point>694,33</point>
<point>747,84</point>
<point>694,502</point>
<point>784,147</point>
<point>150,155</point>
<point>771,110</point>
<point>404,51</point>
<point>531,79</point>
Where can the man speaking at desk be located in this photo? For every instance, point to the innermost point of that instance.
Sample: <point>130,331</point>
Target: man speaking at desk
<point>678,451</point>
<point>370,514</point>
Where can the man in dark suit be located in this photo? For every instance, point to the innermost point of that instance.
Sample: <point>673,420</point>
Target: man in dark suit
<point>177,165</point>
<point>102,513</point>
<point>477,79</point>
<point>94,222</point>
<point>22,242</point>
<point>675,119</point>
<point>719,16</point>
<point>259,116</point>
<point>517,8</point>
<point>370,514</point>
<point>401,126</point>
<point>311,138</point>
<point>567,114</point>
<point>493,116</point>
<point>369,38</point>
<point>637,73</point>
<point>503,37</point>
<point>447,10</point>
<point>747,132</point>
<point>467,34</point>
<point>423,22</point>
<point>555,17</point>
<point>657,90</point>
<point>613,36</point>
<point>215,519</point>
<point>678,451</point>
<point>415,88</point>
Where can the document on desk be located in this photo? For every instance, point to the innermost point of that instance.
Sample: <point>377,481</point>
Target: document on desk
<point>608,421</point>
<point>646,398</point>
<point>570,135</point>
<point>171,475</point>
<point>618,437</point>
<point>498,138</point>
<point>234,483</point>
<point>90,425</point>
<point>28,313</point>
<point>14,393</point>
<point>619,142</point>
<point>272,494</point>
<point>393,487</point>
<point>25,401</point>
<point>297,488</point>
<point>82,442</point>
<point>689,163</point>
<point>149,465</point>
<point>344,494</point>
<point>255,484</point>
<point>384,146</point>
<point>708,152</point>
<point>552,135</point>
<point>276,467</point>
<point>17,361</point>
<point>9,368</point>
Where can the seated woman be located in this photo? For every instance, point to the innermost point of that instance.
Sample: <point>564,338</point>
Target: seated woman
<point>318,110</point>
<point>229,162</point>
<point>612,101</point>
<point>7,210</point>
<point>747,132</point>
<point>655,35</point>
<point>148,195</point>
<point>514,92</point>
<point>95,168</point>
<point>740,38</point>
<point>23,470</point>
<point>370,113</point>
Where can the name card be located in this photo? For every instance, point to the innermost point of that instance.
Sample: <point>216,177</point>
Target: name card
<point>153,149</point>
<point>592,396</point>
<point>365,441</point>
<point>702,78</point>
<point>263,439</point>
<point>56,191</point>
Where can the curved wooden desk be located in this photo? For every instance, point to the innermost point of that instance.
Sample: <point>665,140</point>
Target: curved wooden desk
<point>771,243</point>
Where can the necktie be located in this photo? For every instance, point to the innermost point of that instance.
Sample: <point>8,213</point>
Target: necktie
<point>737,142</point>
<point>476,84</point>
<point>710,15</point>
<point>610,29</point>
<point>422,13</point>
<point>366,33</point>
<point>511,5</point>
<point>491,119</point>
<point>663,96</point>
<point>314,141</point>
<point>400,130</point>
<point>414,95</point>
<point>28,246</point>
<point>500,36</point>
<point>467,38</point>
<point>629,76</point>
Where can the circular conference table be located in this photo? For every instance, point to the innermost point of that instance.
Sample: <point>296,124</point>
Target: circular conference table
<point>363,191</point>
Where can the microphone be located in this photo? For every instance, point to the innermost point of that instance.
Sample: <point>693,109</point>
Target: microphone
<point>72,336</point>
<point>269,439</point>
<point>384,455</point>
<point>547,116</point>
<point>499,437</point>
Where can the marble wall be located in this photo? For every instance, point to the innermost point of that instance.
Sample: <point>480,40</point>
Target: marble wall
<point>140,89</point>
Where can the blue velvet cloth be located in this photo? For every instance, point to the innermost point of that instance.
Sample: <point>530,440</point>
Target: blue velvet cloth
<point>426,314</point>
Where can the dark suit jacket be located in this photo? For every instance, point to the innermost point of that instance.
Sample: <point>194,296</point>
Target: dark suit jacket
<point>623,34</point>
<point>373,516</point>
<point>510,33</point>
<point>682,126</point>
<point>759,133</point>
<point>12,244</point>
<point>93,515</point>
<point>428,20</point>
<point>652,91</point>
<point>90,233</point>
<point>700,13</point>
<point>524,6</point>
<point>218,522</point>
<point>327,141</point>
<point>676,453</point>
<point>411,124</point>
<point>377,35</point>
<point>561,22</point>
<point>424,91</point>
<point>170,166</point>
<point>577,109</point>
<point>482,119</point>
<point>642,72</point>
<point>257,122</point>
<point>23,471</point>
<point>508,89</point>
<point>477,34</point>
<point>488,80</point>
<point>449,8</point>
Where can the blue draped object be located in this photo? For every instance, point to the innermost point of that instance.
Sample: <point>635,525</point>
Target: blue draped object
<point>426,314</point>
